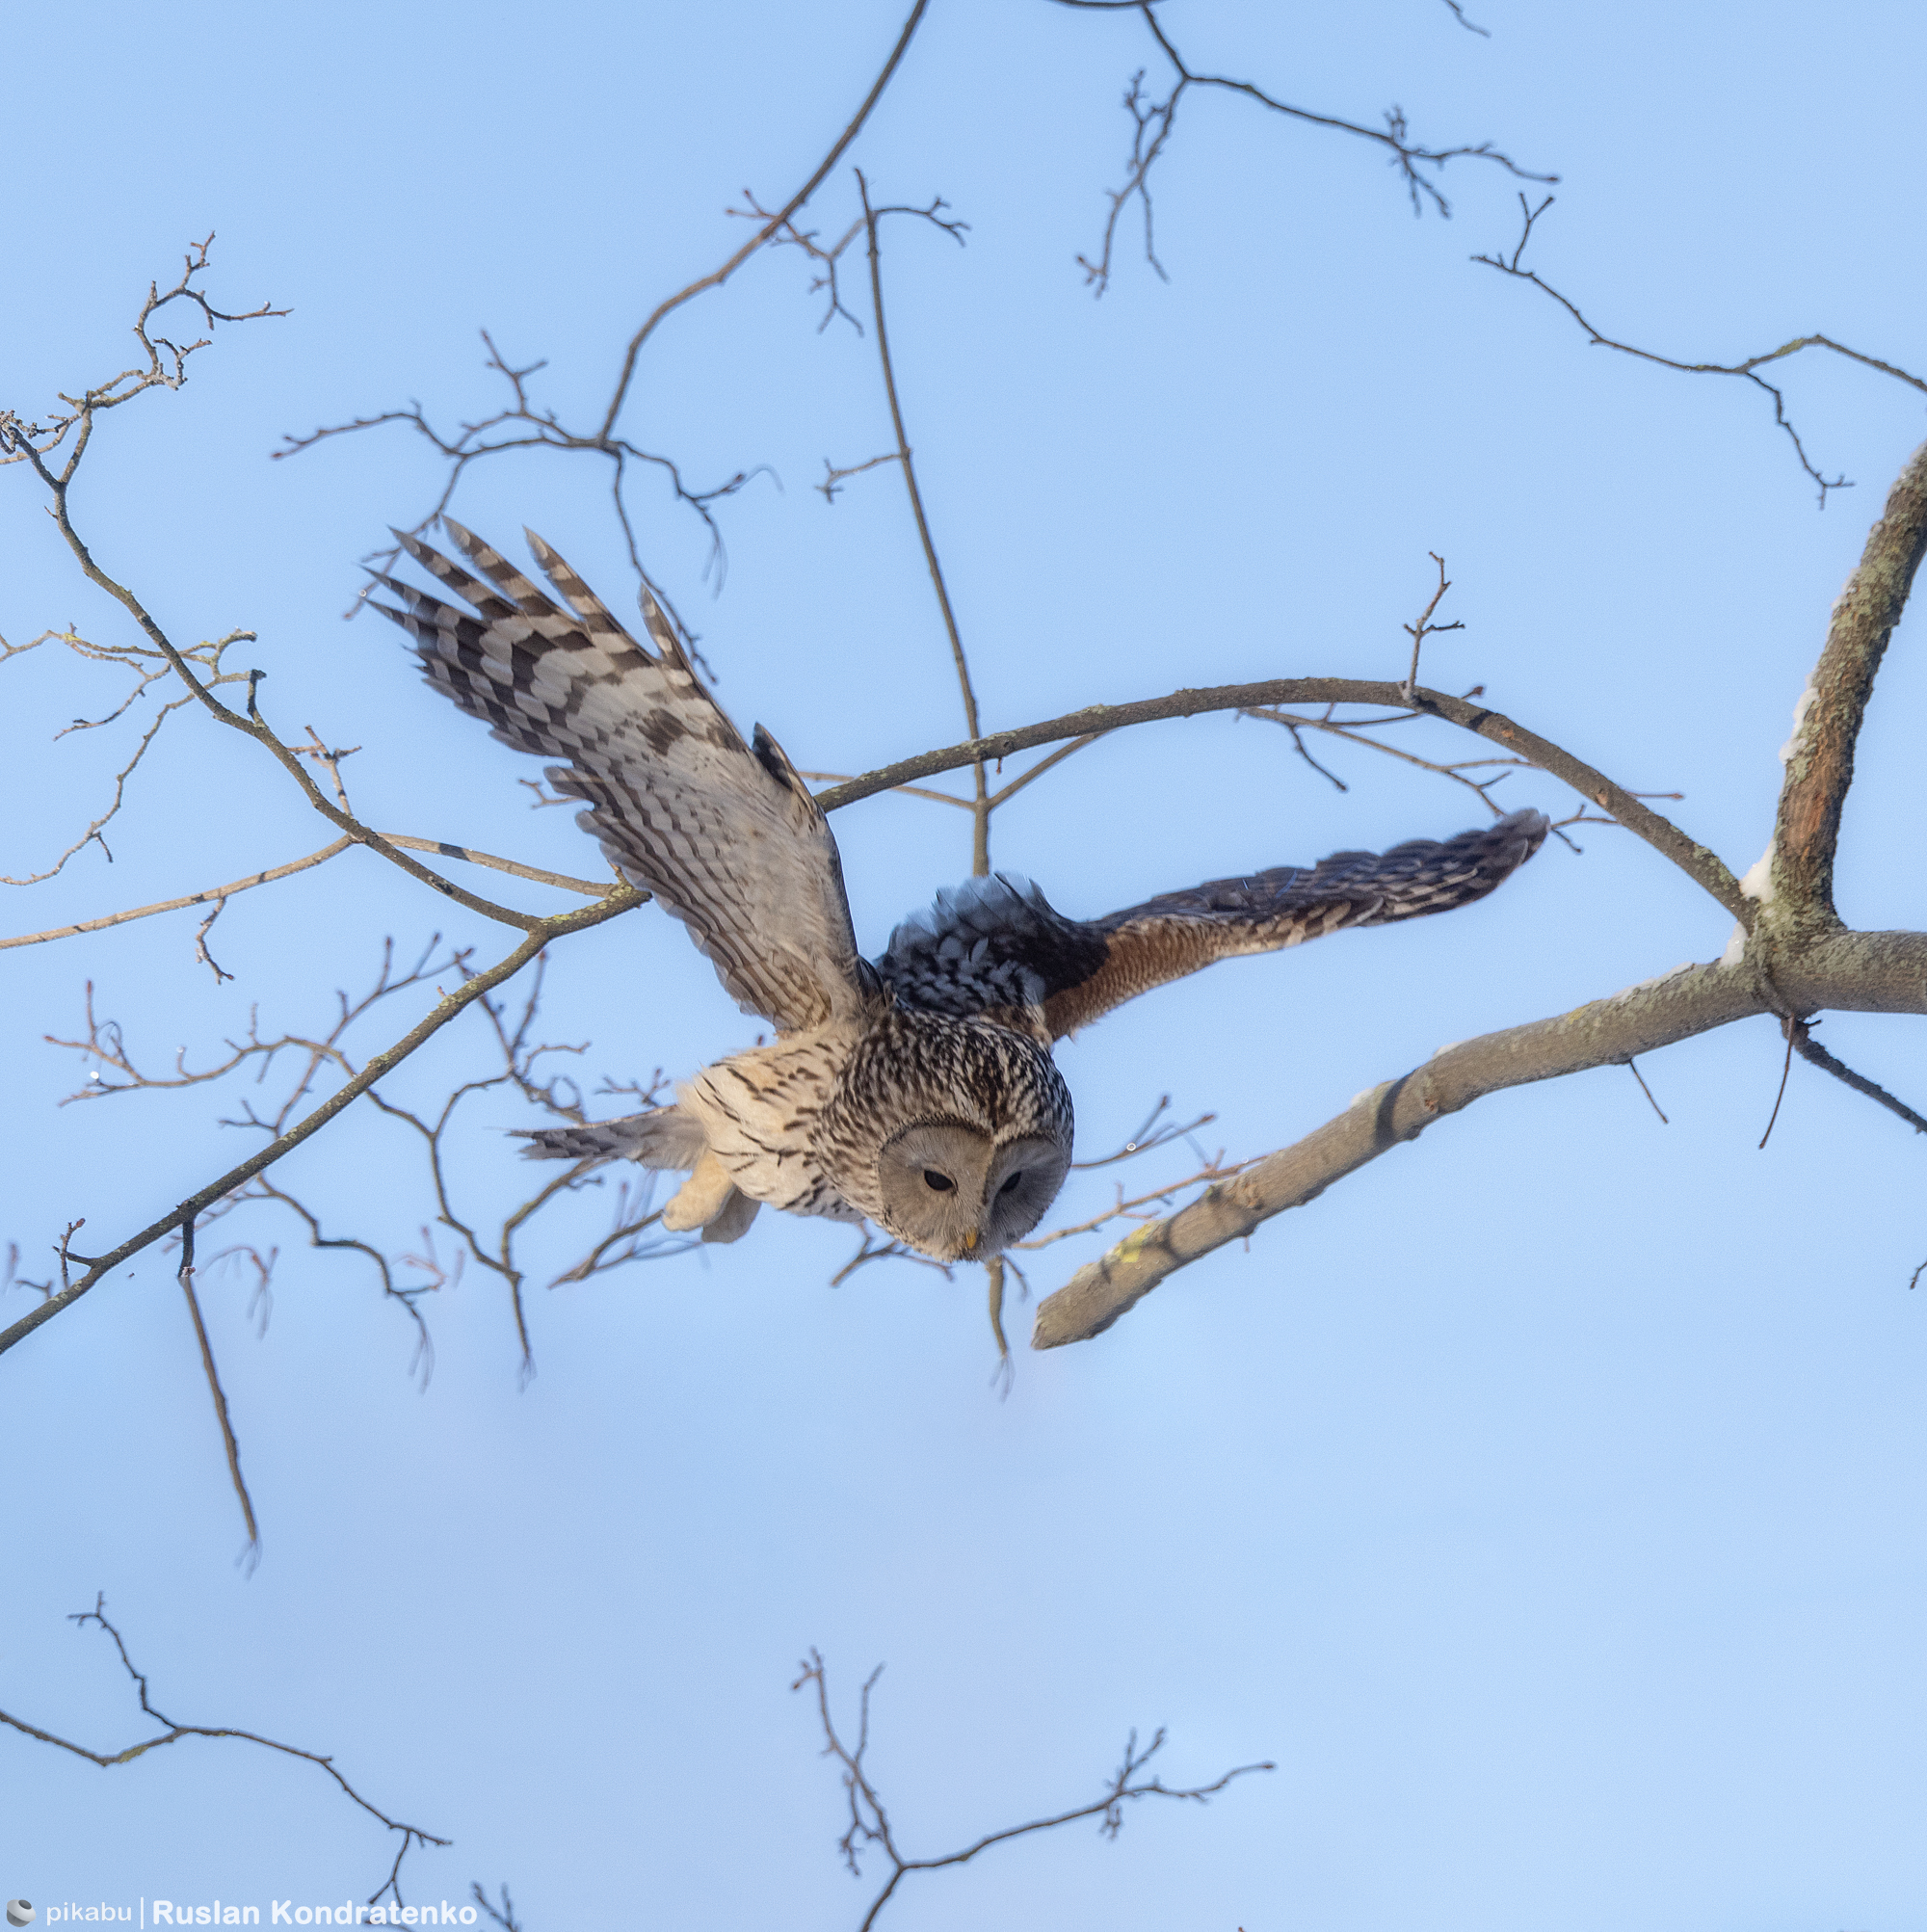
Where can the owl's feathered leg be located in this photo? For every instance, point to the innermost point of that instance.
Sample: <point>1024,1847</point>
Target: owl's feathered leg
<point>703,1199</point>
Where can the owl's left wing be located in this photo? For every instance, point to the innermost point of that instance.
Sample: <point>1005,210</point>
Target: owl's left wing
<point>723,834</point>
<point>997,943</point>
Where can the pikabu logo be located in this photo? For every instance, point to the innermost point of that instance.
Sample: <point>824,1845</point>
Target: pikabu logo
<point>19,1911</point>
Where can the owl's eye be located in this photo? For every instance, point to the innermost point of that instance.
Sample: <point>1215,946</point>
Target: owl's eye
<point>1011,1181</point>
<point>938,1183</point>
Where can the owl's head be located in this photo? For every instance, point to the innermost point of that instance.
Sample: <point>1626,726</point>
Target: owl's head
<point>956,1193</point>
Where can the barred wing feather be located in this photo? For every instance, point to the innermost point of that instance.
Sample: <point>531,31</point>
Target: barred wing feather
<point>723,834</point>
<point>998,943</point>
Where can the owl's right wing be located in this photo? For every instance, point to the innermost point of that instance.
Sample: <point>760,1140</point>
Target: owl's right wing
<point>723,834</point>
<point>997,943</point>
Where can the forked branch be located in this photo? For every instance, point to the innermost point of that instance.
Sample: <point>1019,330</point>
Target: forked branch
<point>98,1268</point>
<point>1869,972</point>
<point>1700,864</point>
<point>870,1829</point>
<point>1151,122</point>
<point>171,1732</point>
<point>1746,370</point>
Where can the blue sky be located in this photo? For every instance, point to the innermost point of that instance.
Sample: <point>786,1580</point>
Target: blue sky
<point>1544,1499</point>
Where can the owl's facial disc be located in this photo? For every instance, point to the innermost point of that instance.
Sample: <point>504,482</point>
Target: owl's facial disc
<point>1024,1180</point>
<point>931,1179</point>
<point>952,1192</point>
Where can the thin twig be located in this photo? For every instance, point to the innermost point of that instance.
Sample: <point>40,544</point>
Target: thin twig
<point>185,1274</point>
<point>1042,765</point>
<point>1788,1026</point>
<point>1353,732</point>
<point>1152,120</point>
<point>717,276</point>
<point>980,854</point>
<point>201,951</point>
<point>58,483</point>
<point>1211,1173</point>
<point>1149,1136</point>
<point>1810,1050</point>
<point>588,889</point>
<point>1632,1067</point>
<point>1419,632</point>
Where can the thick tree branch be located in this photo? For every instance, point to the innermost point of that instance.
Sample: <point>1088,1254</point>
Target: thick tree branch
<point>1864,972</point>
<point>1820,755</point>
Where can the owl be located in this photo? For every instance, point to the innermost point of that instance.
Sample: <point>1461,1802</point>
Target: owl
<point>916,1090</point>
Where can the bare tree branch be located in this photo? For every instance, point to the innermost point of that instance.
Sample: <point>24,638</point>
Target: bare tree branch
<point>717,276</point>
<point>1820,753</point>
<point>621,901</point>
<point>980,851</point>
<point>252,725</point>
<point>1152,119</point>
<point>155,669</point>
<point>1867,973</point>
<point>503,1915</point>
<point>1703,866</point>
<point>1810,961</point>
<point>1214,1171</point>
<point>171,1732</point>
<point>586,887</point>
<point>1424,627</point>
<point>1810,1050</point>
<point>870,1826</point>
<point>537,428</point>
<point>1354,733</point>
<point>1747,369</point>
<point>1153,1132</point>
<point>185,1275</point>
<point>164,366</point>
<point>261,1188</point>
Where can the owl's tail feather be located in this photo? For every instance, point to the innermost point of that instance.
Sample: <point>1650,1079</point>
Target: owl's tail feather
<point>662,1137</point>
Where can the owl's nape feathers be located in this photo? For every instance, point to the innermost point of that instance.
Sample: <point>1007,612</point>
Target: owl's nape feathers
<point>917,1092</point>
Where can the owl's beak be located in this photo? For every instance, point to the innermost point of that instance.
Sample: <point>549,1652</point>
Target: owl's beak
<point>970,1242</point>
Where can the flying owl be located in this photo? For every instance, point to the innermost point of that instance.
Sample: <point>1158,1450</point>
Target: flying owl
<point>916,1090</point>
